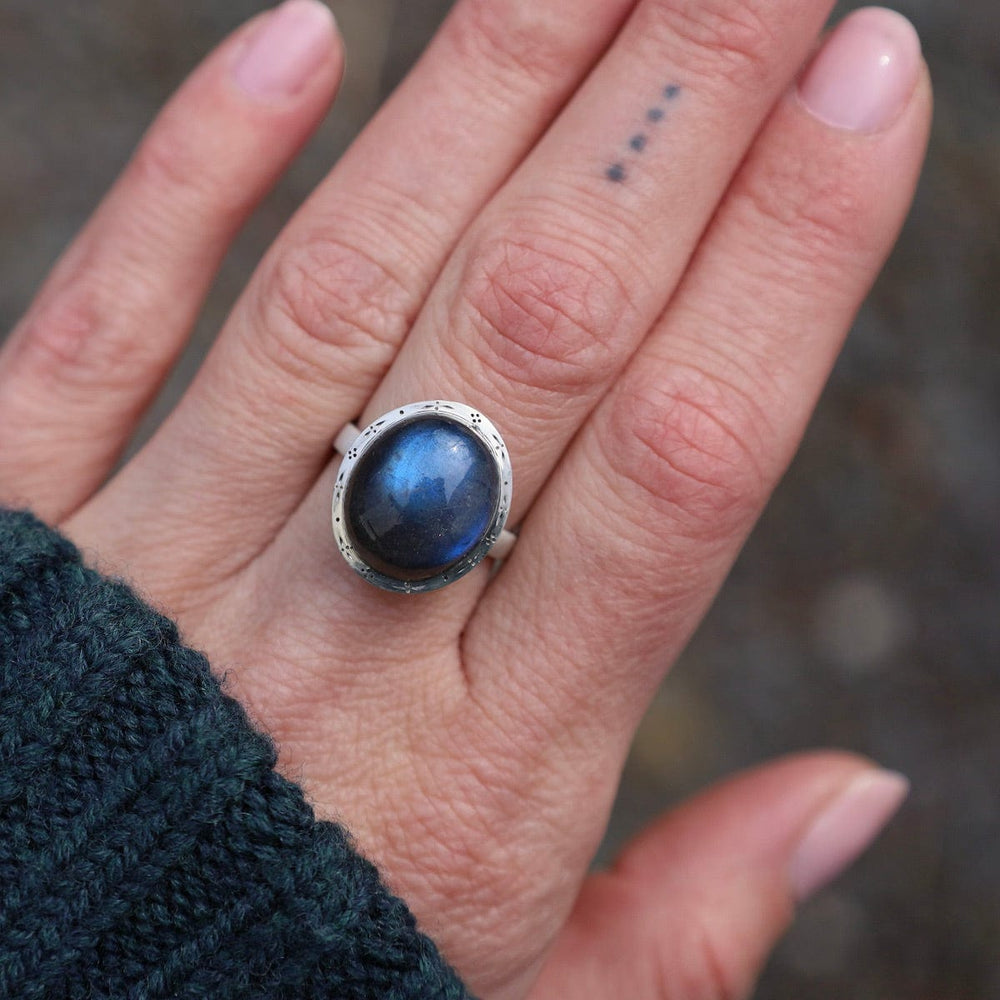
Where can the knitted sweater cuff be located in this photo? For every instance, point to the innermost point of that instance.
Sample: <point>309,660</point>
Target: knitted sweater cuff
<point>148,848</point>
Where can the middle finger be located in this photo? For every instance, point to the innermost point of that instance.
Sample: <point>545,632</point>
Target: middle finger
<point>563,274</point>
<point>325,312</point>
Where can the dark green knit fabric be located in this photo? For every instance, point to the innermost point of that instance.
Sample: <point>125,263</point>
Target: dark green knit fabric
<point>148,848</point>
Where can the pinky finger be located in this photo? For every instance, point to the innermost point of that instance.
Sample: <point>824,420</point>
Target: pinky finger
<point>693,907</point>
<point>85,361</point>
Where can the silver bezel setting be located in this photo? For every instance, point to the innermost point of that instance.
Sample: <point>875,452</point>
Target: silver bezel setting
<point>466,417</point>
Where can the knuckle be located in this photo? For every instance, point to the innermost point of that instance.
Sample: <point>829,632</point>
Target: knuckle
<point>722,39</point>
<point>812,213</point>
<point>322,299</point>
<point>167,164</point>
<point>513,36</point>
<point>692,444</point>
<point>699,969</point>
<point>543,312</point>
<point>180,167</point>
<point>74,336</point>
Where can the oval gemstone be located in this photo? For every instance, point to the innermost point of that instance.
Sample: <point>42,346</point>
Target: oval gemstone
<point>421,498</point>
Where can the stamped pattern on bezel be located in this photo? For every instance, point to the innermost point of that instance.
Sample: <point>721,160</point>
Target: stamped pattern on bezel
<point>484,430</point>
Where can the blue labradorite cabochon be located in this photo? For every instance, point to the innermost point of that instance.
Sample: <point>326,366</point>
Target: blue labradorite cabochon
<point>421,498</point>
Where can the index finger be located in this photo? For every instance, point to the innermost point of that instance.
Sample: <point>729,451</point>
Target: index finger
<point>634,534</point>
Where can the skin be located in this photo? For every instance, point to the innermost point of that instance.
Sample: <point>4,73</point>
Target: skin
<point>650,340</point>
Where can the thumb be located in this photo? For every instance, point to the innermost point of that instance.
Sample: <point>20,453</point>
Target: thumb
<point>694,905</point>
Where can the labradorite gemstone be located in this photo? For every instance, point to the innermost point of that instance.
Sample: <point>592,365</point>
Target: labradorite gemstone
<point>422,497</point>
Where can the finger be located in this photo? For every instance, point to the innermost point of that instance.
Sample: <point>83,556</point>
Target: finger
<point>330,304</point>
<point>94,347</point>
<point>693,907</point>
<point>559,279</point>
<point>564,274</point>
<point>633,536</point>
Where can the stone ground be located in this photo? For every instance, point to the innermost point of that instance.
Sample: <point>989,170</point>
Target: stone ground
<point>863,612</point>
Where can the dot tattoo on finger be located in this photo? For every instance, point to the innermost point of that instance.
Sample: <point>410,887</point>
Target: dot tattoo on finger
<point>618,172</point>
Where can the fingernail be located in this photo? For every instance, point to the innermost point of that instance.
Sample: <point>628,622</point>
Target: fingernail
<point>289,47</point>
<point>842,831</point>
<point>865,73</point>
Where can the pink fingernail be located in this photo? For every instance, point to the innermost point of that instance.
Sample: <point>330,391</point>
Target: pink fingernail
<point>844,829</point>
<point>290,46</point>
<point>866,72</point>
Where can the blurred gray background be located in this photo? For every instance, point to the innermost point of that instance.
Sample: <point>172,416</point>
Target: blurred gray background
<point>865,611</point>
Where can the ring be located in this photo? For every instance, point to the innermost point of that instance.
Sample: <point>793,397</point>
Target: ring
<point>422,496</point>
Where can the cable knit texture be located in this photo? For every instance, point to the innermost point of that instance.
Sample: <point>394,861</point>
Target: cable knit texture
<point>148,848</point>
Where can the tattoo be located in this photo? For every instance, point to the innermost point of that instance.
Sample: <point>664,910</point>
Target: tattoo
<point>617,172</point>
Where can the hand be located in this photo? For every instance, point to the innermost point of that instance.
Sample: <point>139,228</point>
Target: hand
<point>618,229</point>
